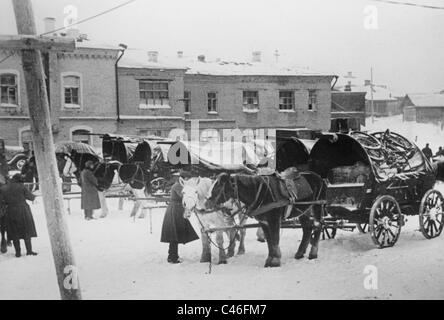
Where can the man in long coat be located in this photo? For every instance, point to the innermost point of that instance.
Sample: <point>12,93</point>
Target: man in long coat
<point>90,195</point>
<point>176,229</point>
<point>19,221</point>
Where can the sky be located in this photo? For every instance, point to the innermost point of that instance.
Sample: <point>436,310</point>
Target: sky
<point>405,47</point>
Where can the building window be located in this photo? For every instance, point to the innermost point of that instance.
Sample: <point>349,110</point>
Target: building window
<point>26,139</point>
<point>312,99</point>
<point>72,91</point>
<point>9,89</point>
<point>153,94</point>
<point>82,136</point>
<point>251,100</point>
<point>286,100</point>
<point>187,101</point>
<point>212,102</point>
<point>209,135</point>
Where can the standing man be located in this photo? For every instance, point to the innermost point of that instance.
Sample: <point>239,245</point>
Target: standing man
<point>428,152</point>
<point>19,221</point>
<point>175,228</point>
<point>90,195</point>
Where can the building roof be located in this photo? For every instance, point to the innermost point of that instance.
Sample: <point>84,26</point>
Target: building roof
<point>427,99</point>
<point>358,84</point>
<point>139,59</point>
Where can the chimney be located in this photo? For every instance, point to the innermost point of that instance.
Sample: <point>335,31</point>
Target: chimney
<point>348,87</point>
<point>49,25</point>
<point>201,58</point>
<point>152,56</point>
<point>180,54</point>
<point>367,82</point>
<point>73,33</point>
<point>349,74</point>
<point>257,56</point>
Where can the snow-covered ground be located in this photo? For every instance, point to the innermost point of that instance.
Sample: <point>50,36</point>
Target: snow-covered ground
<point>119,259</point>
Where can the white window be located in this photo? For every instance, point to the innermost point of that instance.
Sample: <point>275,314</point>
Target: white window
<point>72,90</point>
<point>251,100</point>
<point>153,94</point>
<point>9,89</point>
<point>286,100</point>
<point>312,99</point>
<point>81,135</point>
<point>212,102</point>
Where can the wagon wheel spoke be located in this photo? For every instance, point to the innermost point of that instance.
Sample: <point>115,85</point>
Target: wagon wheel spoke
<point>431,214</point>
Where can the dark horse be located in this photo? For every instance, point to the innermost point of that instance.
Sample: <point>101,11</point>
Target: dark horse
<point>250,191</point>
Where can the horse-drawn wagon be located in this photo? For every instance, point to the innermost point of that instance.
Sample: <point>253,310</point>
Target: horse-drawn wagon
<point>374,180</point>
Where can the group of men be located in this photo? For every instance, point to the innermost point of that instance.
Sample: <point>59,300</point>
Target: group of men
<point>429,153</point>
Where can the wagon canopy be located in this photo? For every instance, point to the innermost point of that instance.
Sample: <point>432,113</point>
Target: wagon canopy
<point>293,152</point>
<point>129,149</point>
<point>389,155</point>
<point>67,147</point>
<point>217,156</point>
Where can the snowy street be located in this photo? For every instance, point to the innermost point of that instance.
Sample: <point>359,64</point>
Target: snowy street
<point>119,259</point>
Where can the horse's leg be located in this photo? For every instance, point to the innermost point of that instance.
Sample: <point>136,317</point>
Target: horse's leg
<point>3,246</point>
<point>220,244</point>
<point>206,248</point>
<point>264,225</point>
<point>260,235</point>
<point>242,233</point>
<point>136,207</point>
<point>274,222</point>
<point>232,238</point>
<point>317,229</point>
<point>306,233</point>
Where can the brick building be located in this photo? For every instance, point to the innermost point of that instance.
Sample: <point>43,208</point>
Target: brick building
<point>157,94</point>
<point>82,94</point>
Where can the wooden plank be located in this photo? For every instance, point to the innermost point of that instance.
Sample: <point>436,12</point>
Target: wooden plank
<point>51,186</point>
<point>27,42</point>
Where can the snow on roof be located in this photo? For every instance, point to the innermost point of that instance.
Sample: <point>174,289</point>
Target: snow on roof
<point>380,92</point>
<point>427,99</point>
<point>139,59</point>
<point>88,44</point>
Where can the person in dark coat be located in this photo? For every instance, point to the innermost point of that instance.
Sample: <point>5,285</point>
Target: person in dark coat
<point>19,221</point>
<point>427,152</point>
<point>90,196</point>
<point>176,229</point>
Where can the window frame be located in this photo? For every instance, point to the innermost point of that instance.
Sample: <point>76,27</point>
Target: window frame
<point>250,107</point>
<point>293,102</point>
<point>146,106</point>
<point>16,73</point>
<point>187,101</point>
<point>72,106</point>
<point>213,101</point>
<point>312,106</point>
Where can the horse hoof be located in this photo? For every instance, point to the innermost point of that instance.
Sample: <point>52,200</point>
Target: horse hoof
<point>273,263</point>
<point>312,256</point>
<point>240,252</point>
<point>223,262</point>
<point>260,240</point>
<point>299,256</point>
<point>230,254</point>
<point>4,250</point>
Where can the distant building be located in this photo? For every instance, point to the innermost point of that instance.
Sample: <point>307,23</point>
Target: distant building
<point>424,108</point>
<point>385,101</point>
<point>347,111</point>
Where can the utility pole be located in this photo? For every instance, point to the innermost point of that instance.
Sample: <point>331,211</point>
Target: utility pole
<point>371,95</point>
<point>31,46</point>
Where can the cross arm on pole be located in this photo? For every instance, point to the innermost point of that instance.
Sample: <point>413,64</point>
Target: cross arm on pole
<point>32,42</point>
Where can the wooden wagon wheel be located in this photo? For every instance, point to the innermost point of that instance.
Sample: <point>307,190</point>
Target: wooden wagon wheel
<point>431,220</point>
<point>385,221</point>
<point>362,227</point>
<point>329,232</point>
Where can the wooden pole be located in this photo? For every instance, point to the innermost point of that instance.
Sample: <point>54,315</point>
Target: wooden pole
<point>44,150</point>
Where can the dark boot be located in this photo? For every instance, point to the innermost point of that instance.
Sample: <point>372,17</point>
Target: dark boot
<point>3,246</point>
<point>29,251</point>
<point>173,253</point>
<point>18,250</point>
